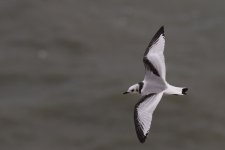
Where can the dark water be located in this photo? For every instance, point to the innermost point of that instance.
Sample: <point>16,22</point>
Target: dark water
<point>64,65</point>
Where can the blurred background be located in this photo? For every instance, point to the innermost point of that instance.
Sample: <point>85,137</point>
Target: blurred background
<point>65,64</point>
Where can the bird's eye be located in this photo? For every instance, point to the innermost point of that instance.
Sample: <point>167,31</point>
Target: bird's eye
<point>132,90</point>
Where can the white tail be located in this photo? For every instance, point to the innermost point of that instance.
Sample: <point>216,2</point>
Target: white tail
<point>175,90</point>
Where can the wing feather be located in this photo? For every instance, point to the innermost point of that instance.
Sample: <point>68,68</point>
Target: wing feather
<point>154,60</point>
<point>143,114</point>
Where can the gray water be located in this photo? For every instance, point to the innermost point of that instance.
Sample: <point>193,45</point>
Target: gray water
<point>65,64</point>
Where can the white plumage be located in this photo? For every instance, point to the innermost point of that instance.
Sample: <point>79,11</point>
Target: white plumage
<point>153,86</point>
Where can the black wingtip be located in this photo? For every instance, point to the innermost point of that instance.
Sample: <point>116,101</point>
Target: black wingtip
<point>184,91</point>
<point>161,31</point>
<point>138,128</point>
<point>155,38</point>
<point>140,134</point>
<point>142,139</point>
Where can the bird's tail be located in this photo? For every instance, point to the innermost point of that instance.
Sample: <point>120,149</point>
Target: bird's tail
<point>184,91</point>
<point>176,90</point>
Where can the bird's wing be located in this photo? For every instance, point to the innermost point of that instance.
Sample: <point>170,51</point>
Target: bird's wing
<point>154,60</point>
<point>143,114</point>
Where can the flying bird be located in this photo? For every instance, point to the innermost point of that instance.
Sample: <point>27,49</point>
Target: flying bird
<point>153,86</point>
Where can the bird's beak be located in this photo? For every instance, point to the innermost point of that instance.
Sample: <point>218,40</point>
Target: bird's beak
<point>125,92</point>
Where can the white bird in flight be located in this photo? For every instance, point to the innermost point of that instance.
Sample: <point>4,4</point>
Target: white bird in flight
<point>153,86</point>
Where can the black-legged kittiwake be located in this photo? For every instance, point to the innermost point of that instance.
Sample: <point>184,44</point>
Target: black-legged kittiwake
<point>153,86</point>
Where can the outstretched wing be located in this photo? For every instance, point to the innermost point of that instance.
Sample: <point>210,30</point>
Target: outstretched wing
<point>143,114</point>
<point>154,60</point>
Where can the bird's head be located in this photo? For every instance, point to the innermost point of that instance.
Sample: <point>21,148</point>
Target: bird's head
<point>133,89</point>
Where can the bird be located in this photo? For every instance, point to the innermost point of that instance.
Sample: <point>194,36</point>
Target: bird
<point>153,86</point>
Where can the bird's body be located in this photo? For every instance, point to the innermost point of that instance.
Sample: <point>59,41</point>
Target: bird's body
<point>153,86</point>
